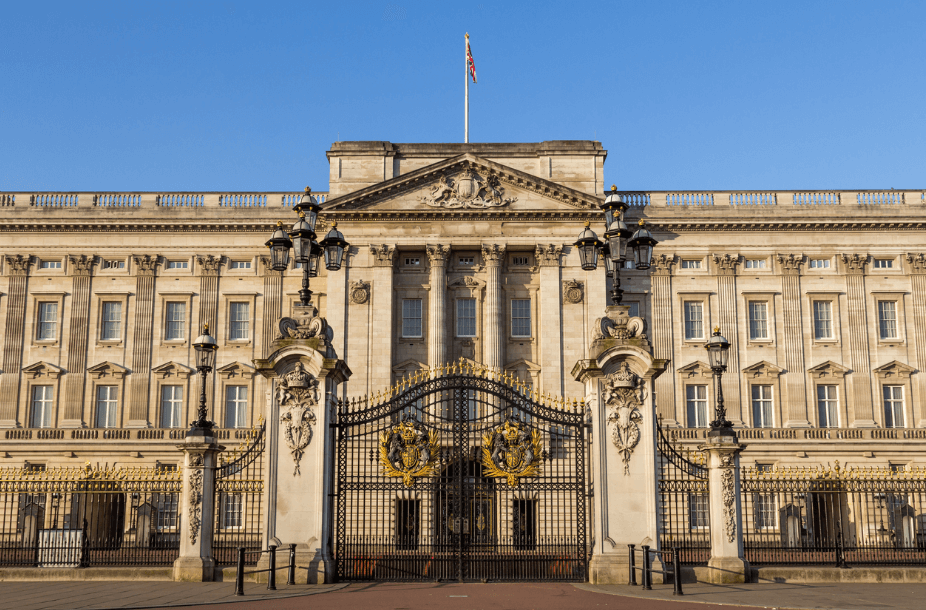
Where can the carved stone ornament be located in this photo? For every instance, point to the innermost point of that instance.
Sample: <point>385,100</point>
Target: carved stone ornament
<point>81,264</point>
<point>437,253</point>
<point>512,451</point>
<point>17,264</point>
<point>572,291</point>
<point>623,395</point>
<point>662,264</point>
<point>145,264</point>
<point>726,263</point>
<point>727,488</point>
<point>917,262</point>
<point>383,255</point>
<point>306,325</point>
<point>466,190</point>
<point>618,325</point>
<point>297,394</point>
<point>408,451</point>
<point>359,292</point>
<point>790,263</point>
<point>493,254</point>
<point>209,264</point>
<point>855,263</point>
<point>548,255</point>
<point>196,497</point>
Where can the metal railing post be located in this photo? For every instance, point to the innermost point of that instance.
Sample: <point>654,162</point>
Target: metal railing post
<point>633,567</point>
<point>291,577</point>
<point>676,573</point>
<point>272,581</point>
<point>239,575</point>
<point>647,577</point>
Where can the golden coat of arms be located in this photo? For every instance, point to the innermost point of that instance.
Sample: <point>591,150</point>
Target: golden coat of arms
<point>407,451</point>
<point>511,451</point>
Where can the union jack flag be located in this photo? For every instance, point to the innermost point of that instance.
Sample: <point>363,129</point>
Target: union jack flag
<point>469,61</point>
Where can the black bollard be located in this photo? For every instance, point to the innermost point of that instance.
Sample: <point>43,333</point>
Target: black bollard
<point>272,581</point>
<point>291,579</point>
<point>239,575</point>
<point>677,572</point>
<point>633,567</point>
<point>647,575</point>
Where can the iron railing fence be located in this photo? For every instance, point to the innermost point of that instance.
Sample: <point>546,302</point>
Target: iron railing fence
<point>239,491</point>
<point>684,509</point>
<point>90,516</point>
<point>833,515</point>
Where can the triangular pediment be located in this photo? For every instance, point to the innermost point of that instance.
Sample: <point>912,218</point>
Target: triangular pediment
<point>172,369</point>
<point>763,369</point>
<point>235,370</point>
<point>894,370</point>
<point>464,184</point>
<point>42,369</point>
<point>107,369</point>
<point>695,369</point>
<point>828,369</point>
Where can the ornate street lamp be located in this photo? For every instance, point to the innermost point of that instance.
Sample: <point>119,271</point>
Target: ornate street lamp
<point>306,250</point>
<point>205,347</point>
<point>618,238</point>
<point>717,352</point>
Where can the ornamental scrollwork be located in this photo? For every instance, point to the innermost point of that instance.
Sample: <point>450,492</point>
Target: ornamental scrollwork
<point>297,395</point>
<point>196,498</point>
<point>572,291</point>
<point>727,489</point>
<point>408,451</point>
<point>466,191</point>
<point>306,325</point>
<point>619,325</point>
<point>511,451</point>
<point>623,396</point>
<point>359,292</point>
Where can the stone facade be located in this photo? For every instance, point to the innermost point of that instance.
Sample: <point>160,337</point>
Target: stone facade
<point>464,251</point>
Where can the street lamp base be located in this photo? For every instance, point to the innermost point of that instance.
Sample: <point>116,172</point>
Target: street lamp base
<point>201,429</point>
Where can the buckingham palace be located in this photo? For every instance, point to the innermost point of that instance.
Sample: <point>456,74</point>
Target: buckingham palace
<point>463,327</point>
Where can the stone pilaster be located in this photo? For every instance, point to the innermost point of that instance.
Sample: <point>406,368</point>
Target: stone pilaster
<point>13,335</point>
<point>437,305</point>
<point>197,509</point>
<point>794,406</point>
<point>551,318</point>
<point>661,331</point>
<point>861,409</point>
<point>917,269</point>
<point>209,268</point>
<point>271,313</point>
<point>381,315</point>
<point>143,339</point>
<point>493,320</point>
<point>81,268</point>
<point>727,564</point>
<point>726,266</point>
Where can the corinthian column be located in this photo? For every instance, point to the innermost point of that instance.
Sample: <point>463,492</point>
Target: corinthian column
<point>81,268</point>
<point>493,321</point>
<point>437,305</point>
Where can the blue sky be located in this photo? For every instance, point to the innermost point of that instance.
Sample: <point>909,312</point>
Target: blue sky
<point>231,95</point>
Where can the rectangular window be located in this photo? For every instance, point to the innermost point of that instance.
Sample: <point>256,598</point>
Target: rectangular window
<point>828,406</point>
<point>690,263</point>
<point>699,511</point>
<point>411,317</point>
<point>178,264</point>
<point>111,321</point>
<point>630,265</point>
<point>466,317</point>
<point>166,505</point>
<point>884,263</point>
<point>819,263</point>
<point>634,309</point>
<point>240,265</point>
<point>755,263</point>
<point>42,402</point>
<point>236,406</point>
<point>407,524</point>
<point>520,261</point>
<point>696,400</point>
<point>48,322</point>
<point>171,405</point>
<point>106,406</point>
<point>50,265</point>
<point>520,317</point>
<point>239,321</point>
<point>893,406</point>
<point>762,406</point>
<point>175,321</point>
<point>887,319</point>
<point>113,264</point>
<point>766,510</point>
<point>758,320</point>
<point>694,317</point>
<point>467,261</point>
<point>232,508</point>
<point>412,261</point>
<point>822,319</point>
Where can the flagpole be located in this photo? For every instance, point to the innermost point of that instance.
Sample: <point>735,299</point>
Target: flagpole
<point>466,78</point>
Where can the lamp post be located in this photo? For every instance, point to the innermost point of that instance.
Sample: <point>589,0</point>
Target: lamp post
<point>306,250</point>
<point>614,250</point>
<point>717,351</point>
<point>205,347</point>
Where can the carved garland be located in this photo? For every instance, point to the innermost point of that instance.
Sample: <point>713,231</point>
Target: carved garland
<point>727,487</point>
<point>624,395</point>
<point>297,395</point>
<point>196,496</point>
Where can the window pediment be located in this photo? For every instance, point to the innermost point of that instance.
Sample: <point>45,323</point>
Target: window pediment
<point>763,370</point>
<point>828,370</point>
<point>107,369</point>
<point>42,369</point>
<point>236,370</point>
<point>695,370</point>
<point>894,370</point>
<point>172,369</point>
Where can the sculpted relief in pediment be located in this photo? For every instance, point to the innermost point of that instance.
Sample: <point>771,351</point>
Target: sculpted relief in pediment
<point>466,189</point>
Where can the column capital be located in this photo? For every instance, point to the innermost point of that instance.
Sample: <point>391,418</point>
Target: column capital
<point>383,255</point>
<point>146,264</point>
<point>855,263</point>
<point>917,262</point>
<point>81,264</point>
<point>725,264</point>
<point>17,264</point>
<point>210,265</point>
<point>548,255</point>
<point>662,264</point>
<point>493,254</point>
<point>437,254</point>
<point>791,264</point>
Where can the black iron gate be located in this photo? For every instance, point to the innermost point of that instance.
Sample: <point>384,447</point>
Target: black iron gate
<point>461,474</point>
<point>684,504</point>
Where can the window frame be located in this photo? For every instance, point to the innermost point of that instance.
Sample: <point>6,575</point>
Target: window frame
<point>107,374</point>
<point>815,320</point>
<point>113,401</point>
<point>51,324</point>
<point>176,297</point>
<point>39,298</point>
<point>529,318</point>
<point>685,321</point>
<point>750,320</point>
<point>756,264</point>
<point>770,400</point>
<point>225,321</point>
<point>834,400</point>
<point>458,317</point>
<point>689,407</point>
<point>49,401</point>
<point>833,296</point>
<point>903,405</point>
<point>121,297</point>
<point>684,264</point>
<point>695,508</point>
<point>180,408</point>
<point>225,399</point>
<point>829,266</point>
<point>884,322</point>
<point>241,511</point>
<point>403,317</point>
<point>117,336</point>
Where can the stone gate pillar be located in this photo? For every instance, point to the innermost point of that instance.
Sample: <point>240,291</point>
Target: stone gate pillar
<point>727,564</point>
<point>197,509</point>
<point>619,379</point>
<point>304,373</point>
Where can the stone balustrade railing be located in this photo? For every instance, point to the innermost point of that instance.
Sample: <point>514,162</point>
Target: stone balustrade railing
<point>714,199</point>
<point>113,434</point>
<point>153,200</point>
<point>800,434</point>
